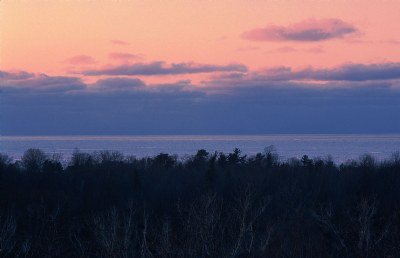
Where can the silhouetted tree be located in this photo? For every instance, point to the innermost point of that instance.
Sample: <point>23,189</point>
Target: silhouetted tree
<point>80,159</point>
<point>206,205</point>
<point>33,160</point>
<point>52,166</point>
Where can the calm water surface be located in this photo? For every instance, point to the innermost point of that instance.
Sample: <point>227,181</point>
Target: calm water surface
<point>339,147</point>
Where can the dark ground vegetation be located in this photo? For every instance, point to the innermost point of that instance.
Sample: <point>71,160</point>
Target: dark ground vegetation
<point>209,205</point>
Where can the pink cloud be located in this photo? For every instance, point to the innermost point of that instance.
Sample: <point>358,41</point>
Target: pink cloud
<point>308,30</point>
<point>119,42</point>
<point>286,49</point>
<point>393,41</point>
<point>246,49</point>
<point>316,50</point>
<point>81,60</point>
<point>125,56</point>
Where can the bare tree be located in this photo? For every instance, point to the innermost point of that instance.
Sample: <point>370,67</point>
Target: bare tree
<point>246,213</point>
<point>207,224</point>
<point>144,246</point>
<point>358,238</point>
<point>106,232</point>
<point>395,159</point>
<point>367,240</point>
<point>4,160</point>
<point>33,160</point>
<point>324,217</point>
<point>8,227</point>
<point>77,241</point>
<point>165,248</point>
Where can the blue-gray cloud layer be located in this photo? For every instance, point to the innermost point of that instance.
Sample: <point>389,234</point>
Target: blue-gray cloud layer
<point>347,102</point>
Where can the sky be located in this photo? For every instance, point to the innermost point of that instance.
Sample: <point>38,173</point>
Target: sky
<point>121,67</point>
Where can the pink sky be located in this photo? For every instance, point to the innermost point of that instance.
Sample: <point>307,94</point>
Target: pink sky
<point>199,66</point>
<point>65,37</point>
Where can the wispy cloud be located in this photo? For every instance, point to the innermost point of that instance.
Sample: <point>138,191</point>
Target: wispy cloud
<point>315,50</point>
<point>286,49</point>
<point>393,42</point>
<point>161,68</point>
<point>80,60</point>
<point>119,42</point>
<point>308,30</point>
<point>125,56</point>
<point>247,49</point>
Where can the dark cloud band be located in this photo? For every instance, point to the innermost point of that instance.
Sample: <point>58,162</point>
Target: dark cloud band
<point>161,68</point>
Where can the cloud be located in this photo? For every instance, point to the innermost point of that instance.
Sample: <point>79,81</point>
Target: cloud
<point>360,72</point>
<point>124,56</point>
<point>247,49</point>
<point>80,60</point>
<point>161,68</point>
<point>20,75</point>
<point>347,75</point>
<point>119,84</point>
<point>179,87</point>
<point>315,50</point>
<point>347,72</point>
<point>119,42</point>
<point>344,77</point>
<point>40,83</point>
<point>238,103</point>
<point>44,84</point>
<point>308,30</point>
<point>286,49</point>
<point>274,107</point>
<point>393,42</point>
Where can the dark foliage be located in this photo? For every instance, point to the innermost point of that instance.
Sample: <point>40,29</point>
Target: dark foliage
<point>209,205</point>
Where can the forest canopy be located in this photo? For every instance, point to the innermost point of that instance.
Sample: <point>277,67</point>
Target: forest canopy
<point>105,204</point>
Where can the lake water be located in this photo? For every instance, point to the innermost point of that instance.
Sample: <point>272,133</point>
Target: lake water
<point>339,147</point>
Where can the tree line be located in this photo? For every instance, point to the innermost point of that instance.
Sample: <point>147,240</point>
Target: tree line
<point>105,204</point>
